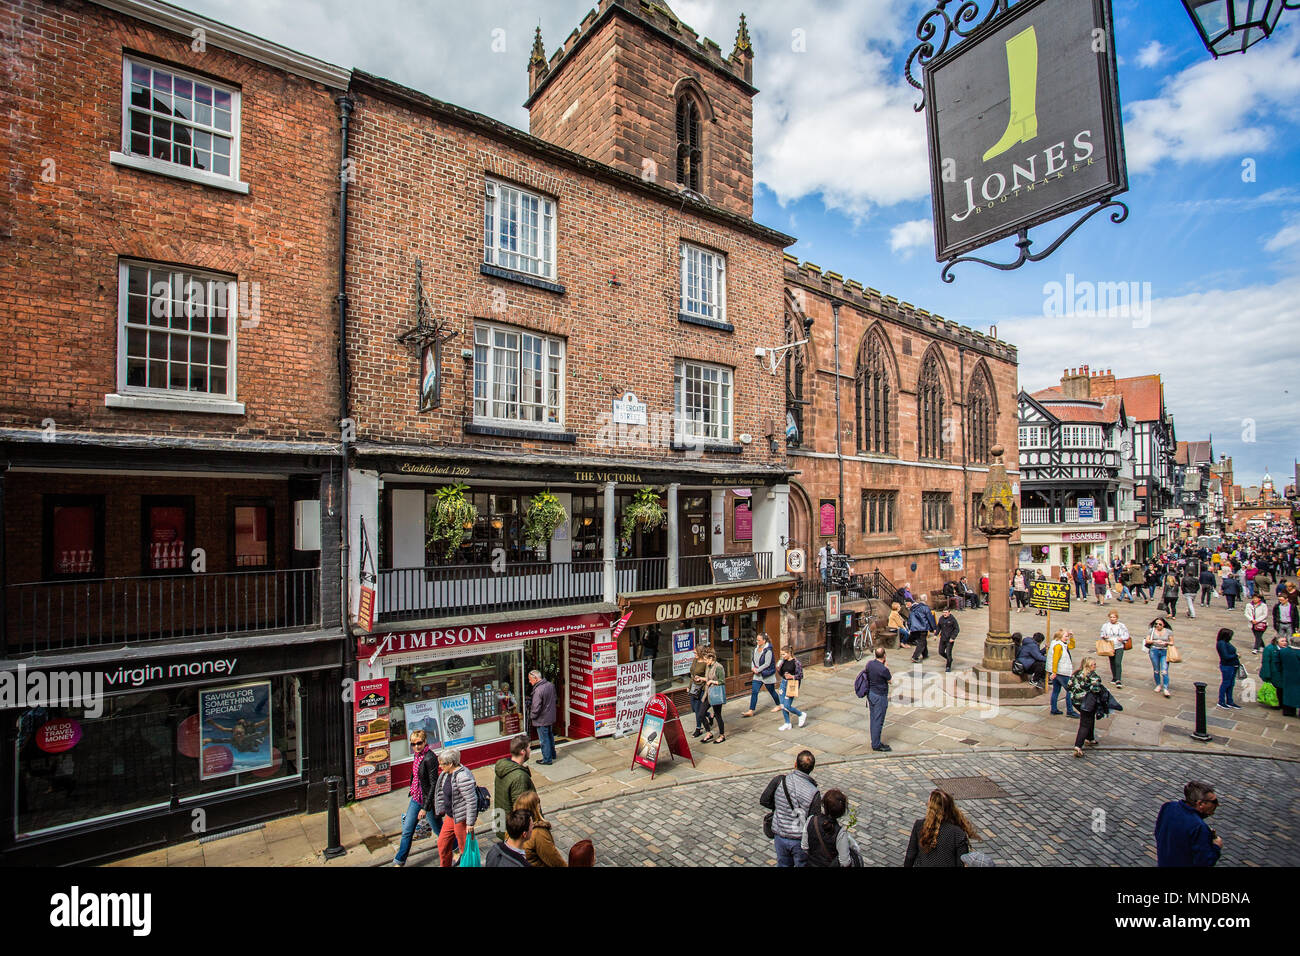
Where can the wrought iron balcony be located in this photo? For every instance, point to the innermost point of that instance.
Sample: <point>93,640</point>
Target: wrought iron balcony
<point>438,591</point>
<point>45,616</point>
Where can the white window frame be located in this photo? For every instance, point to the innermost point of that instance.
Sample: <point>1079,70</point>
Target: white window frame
<point>175,399</point>
<point>1081,436</point>
<point>696,431</point>
<point>707,297</point>
<point>496,196</point>
<point>1034,436</point>
<point>486,358</point>
<point>149,163</point>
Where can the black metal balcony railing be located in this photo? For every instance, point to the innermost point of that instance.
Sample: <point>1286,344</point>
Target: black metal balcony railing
<point>872,584</point>
<point>68,615</point>
<point>451,590</point>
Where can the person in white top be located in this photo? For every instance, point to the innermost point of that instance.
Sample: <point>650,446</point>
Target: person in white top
<point>1060,669</point>
<point>1257,615</point>
<point>1116,632</point>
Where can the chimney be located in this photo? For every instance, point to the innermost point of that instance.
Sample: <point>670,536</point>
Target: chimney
<point>1103,384</point>
<point>1074,383</point>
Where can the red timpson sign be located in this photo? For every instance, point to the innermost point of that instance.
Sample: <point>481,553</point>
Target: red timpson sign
<point>468,636</point>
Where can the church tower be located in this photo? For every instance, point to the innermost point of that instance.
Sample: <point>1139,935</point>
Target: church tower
<point>637,89</point>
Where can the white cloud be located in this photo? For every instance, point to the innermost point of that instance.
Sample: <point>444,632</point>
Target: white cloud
<point>1151,55</point>
<point>1286,237</point>
<point>836,119</point>
<point>909,236</point>
<point>1217,108</point>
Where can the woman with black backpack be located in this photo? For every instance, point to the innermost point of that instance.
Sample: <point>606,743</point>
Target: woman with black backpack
<point>825,842</point>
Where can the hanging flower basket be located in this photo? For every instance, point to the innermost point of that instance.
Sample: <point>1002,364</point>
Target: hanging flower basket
<point>451,517</point>
<point>544,515</point>
<point>644,513</point>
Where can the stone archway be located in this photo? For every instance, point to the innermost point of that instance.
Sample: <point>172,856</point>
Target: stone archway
<point>800,531</point>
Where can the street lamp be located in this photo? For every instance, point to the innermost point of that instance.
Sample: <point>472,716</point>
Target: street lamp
<point>1232,26</point>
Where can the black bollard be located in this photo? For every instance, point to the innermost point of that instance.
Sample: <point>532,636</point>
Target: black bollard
<point>1200,733</point>
<point>335,845</point>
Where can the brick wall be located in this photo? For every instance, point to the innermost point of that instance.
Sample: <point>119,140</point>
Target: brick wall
<point>910,333</point>
<point>62,239</point>
<point>420,193</point>
<point>613,97</point>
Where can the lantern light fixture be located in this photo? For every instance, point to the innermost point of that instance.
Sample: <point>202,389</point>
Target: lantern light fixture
<point>1233,26</point>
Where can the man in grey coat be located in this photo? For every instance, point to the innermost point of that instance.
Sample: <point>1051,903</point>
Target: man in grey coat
<point>793,798</point>
<point>541,715</point>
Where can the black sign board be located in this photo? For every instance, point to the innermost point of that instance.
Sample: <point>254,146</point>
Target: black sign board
<point>729,568</point>
<point>1024,122</point>
<point>1049,595</point>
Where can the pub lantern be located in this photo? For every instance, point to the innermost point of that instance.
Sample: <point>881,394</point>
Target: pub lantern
<point>1233,26</point>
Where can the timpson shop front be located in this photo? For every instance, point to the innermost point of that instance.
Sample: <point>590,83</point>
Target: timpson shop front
<point>465,684</point>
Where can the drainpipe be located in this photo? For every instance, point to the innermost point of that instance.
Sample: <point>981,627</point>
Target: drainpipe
<point>345,104</point>
<point>965,463</point>
<point>839,452</point>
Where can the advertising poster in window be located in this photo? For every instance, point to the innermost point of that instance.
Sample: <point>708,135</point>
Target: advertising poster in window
<point>743,523</point>
<point>166,538</point>
<point>456,714</point>
<point>74,540</point>
<point>683,651</point>
<point>423,715</point>
<point>236,726</point>
<point>636,686</point>
<point>827,513</point>
<point>1087,509</point>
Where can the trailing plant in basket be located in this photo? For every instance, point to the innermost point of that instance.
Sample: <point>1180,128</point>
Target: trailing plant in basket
<point>449,514</point>
<point>643,513</point>
<point>544,515</point>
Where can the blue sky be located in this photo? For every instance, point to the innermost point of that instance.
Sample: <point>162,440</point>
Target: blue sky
<point>840,162</point>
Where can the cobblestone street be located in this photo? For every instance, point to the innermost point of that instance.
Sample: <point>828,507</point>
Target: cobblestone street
<point>1052,810</point>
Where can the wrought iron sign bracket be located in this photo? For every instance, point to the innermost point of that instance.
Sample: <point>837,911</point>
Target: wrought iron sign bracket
<point>965,21</point>
<point>1023,242</point>
<point>426,339</point>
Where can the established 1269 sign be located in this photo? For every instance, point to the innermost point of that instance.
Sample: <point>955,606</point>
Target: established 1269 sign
<point>1024,122</point>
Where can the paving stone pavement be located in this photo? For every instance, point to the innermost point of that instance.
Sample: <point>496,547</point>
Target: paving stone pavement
<point>1058,810</point>
<point>924,718</point>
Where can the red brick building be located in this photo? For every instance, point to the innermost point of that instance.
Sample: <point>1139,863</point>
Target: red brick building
<point>168,408</point>
<point>527,317</point>
<point>921,403</point>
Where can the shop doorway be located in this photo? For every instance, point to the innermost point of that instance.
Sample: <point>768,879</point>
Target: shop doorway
<point>695,541</point>
<point>546,655</point>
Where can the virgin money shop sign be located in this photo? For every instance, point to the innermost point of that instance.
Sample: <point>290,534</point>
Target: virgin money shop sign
<point>1024,123</point>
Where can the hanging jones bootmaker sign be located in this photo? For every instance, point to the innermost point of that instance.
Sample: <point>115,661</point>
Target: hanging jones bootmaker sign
<point>1024,122</point>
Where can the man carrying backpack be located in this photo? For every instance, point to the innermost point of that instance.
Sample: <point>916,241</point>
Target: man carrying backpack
<point>792,798</point>
<point>873,684</point>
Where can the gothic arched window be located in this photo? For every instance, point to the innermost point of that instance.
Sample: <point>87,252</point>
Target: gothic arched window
<point>980,418</point>
<point>875,394</point>
<point>795,369</point>
<point>690,154</point>
<point>931,410</point>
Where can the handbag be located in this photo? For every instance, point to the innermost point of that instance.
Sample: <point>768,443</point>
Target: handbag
<point>717,695</point>
<point>1128,643</point>
<point>471,856</point>
<point>791,688</point>
<point>1105,648</point>
<point>1173,657</point>
<point>1242,673</point>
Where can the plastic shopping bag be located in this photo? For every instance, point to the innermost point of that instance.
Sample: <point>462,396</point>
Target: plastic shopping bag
<point>471,855</point>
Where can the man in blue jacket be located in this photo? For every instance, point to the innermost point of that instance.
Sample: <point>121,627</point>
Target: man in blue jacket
<point>1183,838</point>
<point>920,622</point>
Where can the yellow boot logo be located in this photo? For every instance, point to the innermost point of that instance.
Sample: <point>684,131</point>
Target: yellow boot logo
<point>1022,70</point>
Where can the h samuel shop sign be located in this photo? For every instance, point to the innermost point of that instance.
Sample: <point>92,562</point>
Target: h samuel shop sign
<point>1024,122</point>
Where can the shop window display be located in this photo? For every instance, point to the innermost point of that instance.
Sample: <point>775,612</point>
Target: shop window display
<point>423,694</point>
<point>144,747</point>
